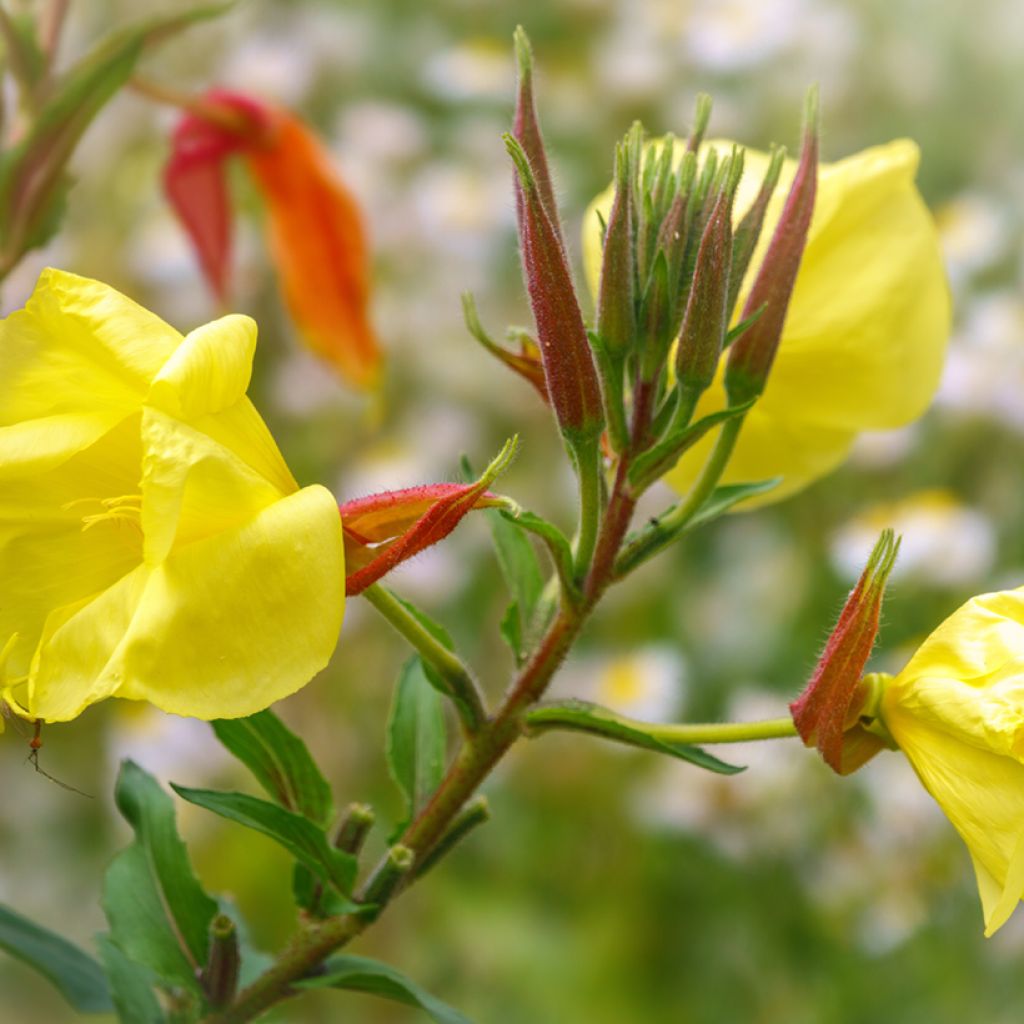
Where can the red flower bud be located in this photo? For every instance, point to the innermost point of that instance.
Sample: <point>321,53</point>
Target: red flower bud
<point>383,530</point>
<point>826,713</point>
<point>569,371</point>
<point>752,355</point>
<point>526,129</point>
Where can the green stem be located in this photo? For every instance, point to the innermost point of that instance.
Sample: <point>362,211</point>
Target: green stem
<point>588,468</point>
<point>478,755</point>
<point>462,688</point>
<point>723,732</point>
<point>670,525</point>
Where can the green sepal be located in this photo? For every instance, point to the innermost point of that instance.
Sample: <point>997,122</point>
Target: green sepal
<point>582,716</point>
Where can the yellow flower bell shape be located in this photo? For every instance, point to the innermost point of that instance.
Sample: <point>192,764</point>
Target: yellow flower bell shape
<point>866,331</point>
<point>153,544</point>
<point>957,713</point>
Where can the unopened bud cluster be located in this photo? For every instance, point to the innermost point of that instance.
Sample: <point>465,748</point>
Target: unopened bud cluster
<point>674,255</point>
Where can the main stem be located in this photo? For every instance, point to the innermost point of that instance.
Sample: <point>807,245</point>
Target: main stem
<point>484,747</point>
<point>479,753</point>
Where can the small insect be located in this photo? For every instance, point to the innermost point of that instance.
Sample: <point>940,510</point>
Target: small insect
<point>35,744</point>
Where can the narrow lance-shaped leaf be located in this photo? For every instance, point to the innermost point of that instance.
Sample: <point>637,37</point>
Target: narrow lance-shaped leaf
<point>751,356</point>
<point>280,761</point>
<point>159,914</point>
<point>582,716</point>
<point>655,462</point>
<point>296,833</point>
<point>569,371</point>
<point>416,737</point>
<point>78,978</point>
<point>361,974</point>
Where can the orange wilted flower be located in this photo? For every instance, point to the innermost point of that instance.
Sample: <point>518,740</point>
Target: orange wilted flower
<point>314,225</point>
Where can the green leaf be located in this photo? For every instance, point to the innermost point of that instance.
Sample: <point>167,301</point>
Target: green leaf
<point>131,985</point>
<point>32,172</point>
<point>159,914</point>
<point>432,626</point>
<point>723,498</point>
<point>511,628</point>
<point>522,572</point>
<point>25,57</point>
<point>556,542</point>
<point>416,736</point>
<point>582,716</point>
<point>361,974</point>
<point>306,842</point>
<point>75,974</point>
<point>658,460</point>
<point>281,763</point>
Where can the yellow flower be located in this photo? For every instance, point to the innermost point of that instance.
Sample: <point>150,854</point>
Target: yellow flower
<point>153,544</point>
<point>957,712</point>
<point>866,331</point>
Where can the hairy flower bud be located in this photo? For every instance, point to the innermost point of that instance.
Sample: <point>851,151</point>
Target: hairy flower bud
<point>751,357</point>
<point>383,530</point>
<point>616,312</point>
<point>707,309</point>
<point>569,371</point>
<point>826,713</point>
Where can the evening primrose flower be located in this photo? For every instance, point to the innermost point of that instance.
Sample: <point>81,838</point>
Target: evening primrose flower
<point>957,713</point>
<point>153,544</point>
<point>866,330</point>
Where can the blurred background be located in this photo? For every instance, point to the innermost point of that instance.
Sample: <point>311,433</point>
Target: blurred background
<point>611,886</point>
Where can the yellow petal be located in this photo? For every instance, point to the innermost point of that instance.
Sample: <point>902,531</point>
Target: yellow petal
<point>222,628</point>
<point>193,487</point>
<point>48,558</point>
<point>866,331</point>
<point>209,371</point>
<point>957,712</point>
<point>78,346</point>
